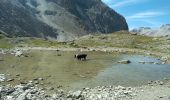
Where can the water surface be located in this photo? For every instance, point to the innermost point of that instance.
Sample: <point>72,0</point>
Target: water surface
<point>99,69</point>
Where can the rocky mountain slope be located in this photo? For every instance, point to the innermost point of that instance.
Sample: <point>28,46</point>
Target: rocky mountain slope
<point>164,30</point>
<point>62,19</point>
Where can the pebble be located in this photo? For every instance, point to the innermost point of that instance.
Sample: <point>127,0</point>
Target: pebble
<point>2,77</point>
<point>161,83</point>
<point>76,94</point>
<point>36,82</point>
<point>50,88</point>
<point>17,74</point>
<point>124,61</point>
<point>59,86</point>
<point>142,62</point>
<point>9,80</point>
<point>160,97</point>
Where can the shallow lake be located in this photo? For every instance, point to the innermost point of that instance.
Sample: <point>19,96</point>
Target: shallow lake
<point>60,68</point>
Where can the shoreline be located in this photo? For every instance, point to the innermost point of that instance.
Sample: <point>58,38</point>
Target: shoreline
<point>162,56</point>
<point>155,90</point>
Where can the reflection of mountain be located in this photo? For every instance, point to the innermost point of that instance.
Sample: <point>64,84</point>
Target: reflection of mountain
<point>164,30</point>
<point>58,18</point>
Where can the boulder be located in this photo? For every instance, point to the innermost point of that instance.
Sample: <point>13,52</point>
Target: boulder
<point>77,94</point>
<point>2,77</point>
<point>124,61</point>
<point>18,53</point>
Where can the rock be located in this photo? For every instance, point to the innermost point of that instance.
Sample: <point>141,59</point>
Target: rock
<point>2,52</point>
<point>126,92</point>
<point>2,77</point>
<point>134,33</point>
<point>76,95</point>
<point>156,63</point>
<point>161,83</point>
<point>10,90</point>
<point>54,96</point>
<point>160,97</point>
<point>17,74</point>
<point>142,62</point>
<point>26,55</point>
<point>59,86</point>
<point>23,82</point>
<point>9,97</point>
<point>82,76</point>
<point>50,88</point>
<point>163,63</point>
<point>18,53</point>
<point>40,79</point>
<point>148,53</point>
<point>36,82</point>
<point>164,58</point>
<point>23,95</point>
<point>125,62</point>
<point>9,80</point>
<point>150,82</point>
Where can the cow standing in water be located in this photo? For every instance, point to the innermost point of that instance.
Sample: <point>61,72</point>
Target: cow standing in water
<point>80,56</point>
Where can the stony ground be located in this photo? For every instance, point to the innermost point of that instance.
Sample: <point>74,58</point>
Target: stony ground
<point>123,43</point>
<point>156,90</point>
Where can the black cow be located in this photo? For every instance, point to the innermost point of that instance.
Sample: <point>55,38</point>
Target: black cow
<point>80,56</point>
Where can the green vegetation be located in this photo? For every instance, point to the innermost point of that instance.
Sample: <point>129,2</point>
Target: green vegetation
<point>118,39</point>
<point>4,43</point>
<point>124,40</point>
<point>43,43</point>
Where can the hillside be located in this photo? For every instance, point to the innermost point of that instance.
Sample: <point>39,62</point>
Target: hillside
<point>61,19</point>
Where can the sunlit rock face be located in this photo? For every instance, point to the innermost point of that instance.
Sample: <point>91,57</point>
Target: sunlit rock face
<point>62,19</point>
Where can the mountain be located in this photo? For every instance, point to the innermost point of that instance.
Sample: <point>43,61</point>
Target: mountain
<point>61,19</point>
<point>164,30</point>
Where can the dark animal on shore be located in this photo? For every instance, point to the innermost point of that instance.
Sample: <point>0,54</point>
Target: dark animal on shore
<point>80,56</point>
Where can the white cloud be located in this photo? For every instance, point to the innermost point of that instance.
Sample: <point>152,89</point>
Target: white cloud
<point>147,14</point>
<point>109,2</point>
<point>124,3</point>
<point>121,3</point>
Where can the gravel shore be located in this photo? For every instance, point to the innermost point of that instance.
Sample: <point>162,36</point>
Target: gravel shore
<point>156,90</point>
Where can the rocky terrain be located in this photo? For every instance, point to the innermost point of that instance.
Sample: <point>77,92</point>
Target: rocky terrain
<point>118,42</point>
<point>155,90</point>
<point>164,30</point>
<point>61,19</point>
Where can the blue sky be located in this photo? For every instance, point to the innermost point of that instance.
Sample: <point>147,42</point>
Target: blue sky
<point>142,13</point>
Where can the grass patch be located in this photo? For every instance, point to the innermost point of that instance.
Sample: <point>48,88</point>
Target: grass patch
<point>118,39</point>
<point>5,44</point>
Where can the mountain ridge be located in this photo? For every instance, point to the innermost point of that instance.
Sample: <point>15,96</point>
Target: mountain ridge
<point>61,19</point>
<point>164,30</point>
